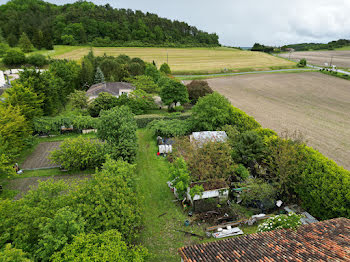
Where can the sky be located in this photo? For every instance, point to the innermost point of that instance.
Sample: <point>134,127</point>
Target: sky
<point>244,22</point>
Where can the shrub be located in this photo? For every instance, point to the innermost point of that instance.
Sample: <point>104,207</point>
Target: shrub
<point>241,120</point>
<point>302,63</point>
<point>107,246</point>
<point>14,58</point>
<point>197,89</point>
<point>164,68</point>
<point>138,101</point>
<point>79,154</point>
<point>242,172</point>
<point>145,83</point>
<point>104,101</point>
<point>249,148</point>
<point>180,177</point>
<point>3,49</point>
<point>291,220</point>
<point>117,127</point>
<point>37,60</point>
<point>143,120</point>
<point>259,194</point>
<point>11,254</point>
<point>169,128</point>
<point>212,161</point>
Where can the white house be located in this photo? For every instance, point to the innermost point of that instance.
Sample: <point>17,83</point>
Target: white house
<point>114,88</point>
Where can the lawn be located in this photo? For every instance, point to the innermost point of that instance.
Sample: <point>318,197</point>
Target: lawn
<point>185,60</point>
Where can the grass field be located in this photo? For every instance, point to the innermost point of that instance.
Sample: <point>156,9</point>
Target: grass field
<point>316,104</point>
<point>184,60</point>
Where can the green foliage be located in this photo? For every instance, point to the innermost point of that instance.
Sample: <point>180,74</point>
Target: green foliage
<point>145,83</point>
<point>78,100</point>
<point>249,148</point>
<point>143,120</point>
<point>241,120</point>
<point>11,254</point>
<point>118,128</point>
<point>169,128</point>
<point>180,177</point>
<point>211,112</point>
<point>211,161</point>
<point>291,220</point>
<point>258,190</point>
<point>37,60</point>
<point>262,48</point>
<point>173,92</point>
<point>242,172</point>
<point>165,68</point>
<point>14,130</point>
<point>197,89</point>
<point>6,168</point>
<point>152,71</point>
<point>25,44</point>
<point>317,46</point>
<point>104,101</point>
<point>28,102</point>
<point>110,201</point>
<point>3,49</point>
<point>79,154</point>
<point>107,246</point>
<point>87,72</point>
<point>52,125</point>
<point>138,101</point>
<point>196,190</point>
<point>302,63</point>
<point>99,76</point>
<point>12,39</point>
<point>14,58</point>
<point>58,231</point>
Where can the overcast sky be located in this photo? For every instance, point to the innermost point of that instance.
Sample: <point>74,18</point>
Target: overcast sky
<point>244,22</point>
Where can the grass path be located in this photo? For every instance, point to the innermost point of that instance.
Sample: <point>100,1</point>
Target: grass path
<point>161,215</point>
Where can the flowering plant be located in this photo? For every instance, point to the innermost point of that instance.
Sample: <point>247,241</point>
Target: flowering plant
<point>291,220</point>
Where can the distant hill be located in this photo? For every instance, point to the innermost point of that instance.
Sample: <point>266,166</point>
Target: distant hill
<point>318,46</point>
<point>85,23</point>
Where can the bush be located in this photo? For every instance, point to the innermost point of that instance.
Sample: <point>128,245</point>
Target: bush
<point>173,92</point>
<point>37,60</point>
<point>291,220</point>
<point>169,128</point>
<point>14,58</point>
<point>104,101</point>
<point>79,154</point>
<point>259,194</point>
<point>108,246</point>
<point>3,49</point>
<point>138,101</point>
<point>302,63</point>
<point>11,254</point>
<point>146,84</point>
<point>242,172</point>
<point>143,120</point>
<point>164,68</point>
<point>118,128</point>
<point>180,177</point>
<point>197,89</point>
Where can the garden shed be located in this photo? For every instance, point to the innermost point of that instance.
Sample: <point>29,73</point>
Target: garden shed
<point>208,136</point>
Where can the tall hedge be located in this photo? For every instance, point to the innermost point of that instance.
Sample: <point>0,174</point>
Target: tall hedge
<point>324,187</point>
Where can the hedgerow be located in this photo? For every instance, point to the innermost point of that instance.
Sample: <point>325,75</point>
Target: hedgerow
<point>169,128</point>
<point>143,120</point>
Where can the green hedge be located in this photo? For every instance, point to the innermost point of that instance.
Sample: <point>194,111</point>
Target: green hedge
<point>143,120</point>
<point>52,125</point>
<point>324,187</point>
<point>170,127</point>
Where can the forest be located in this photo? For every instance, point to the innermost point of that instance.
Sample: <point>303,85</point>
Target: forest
<point>84,23</point>
<point>318,46</point>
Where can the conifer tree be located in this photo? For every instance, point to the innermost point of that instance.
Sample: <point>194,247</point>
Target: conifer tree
<point>99,77</point>
<point>25,44</point>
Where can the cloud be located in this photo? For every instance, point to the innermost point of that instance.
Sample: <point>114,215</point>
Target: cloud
<point>244,22</point>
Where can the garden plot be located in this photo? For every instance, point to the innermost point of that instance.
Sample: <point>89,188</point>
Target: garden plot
<point>23,185</point>
<point>313,103</point>
<point>40,157</point>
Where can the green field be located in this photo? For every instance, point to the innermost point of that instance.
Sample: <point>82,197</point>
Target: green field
<point>184,60</point>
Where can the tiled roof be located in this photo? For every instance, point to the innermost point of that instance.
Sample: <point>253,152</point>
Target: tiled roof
<point>109,87</point>
<point>323,241</point>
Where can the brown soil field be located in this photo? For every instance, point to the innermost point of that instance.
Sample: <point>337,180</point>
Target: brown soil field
<point>318,105</point>
<point>39,158</point>
<point>340,58</point>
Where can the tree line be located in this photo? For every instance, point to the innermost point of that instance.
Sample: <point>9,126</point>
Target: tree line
<point>83,23</point>
<point>318,46</point>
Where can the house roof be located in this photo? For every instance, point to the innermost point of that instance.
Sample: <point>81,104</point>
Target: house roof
<point>322,241</point>
<point>109,87</point>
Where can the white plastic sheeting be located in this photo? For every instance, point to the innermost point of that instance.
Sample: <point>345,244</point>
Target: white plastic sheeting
<point>2,79</point>
<point>165,149</point>
<point>208,136</point>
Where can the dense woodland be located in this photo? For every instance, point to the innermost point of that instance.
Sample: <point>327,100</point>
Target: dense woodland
<point>318,46</point>
<point>84,23</point>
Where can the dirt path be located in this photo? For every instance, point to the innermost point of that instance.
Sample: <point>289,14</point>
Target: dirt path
<point>25,184</point>
<point>39,158</point>
<point>316,104</point>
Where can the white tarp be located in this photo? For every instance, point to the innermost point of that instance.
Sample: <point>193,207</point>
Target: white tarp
<point>165,149</point>
<point>208,136</point>
<point>2,79</point>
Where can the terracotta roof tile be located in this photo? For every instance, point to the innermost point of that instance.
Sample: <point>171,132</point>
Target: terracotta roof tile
<point>323,241</point>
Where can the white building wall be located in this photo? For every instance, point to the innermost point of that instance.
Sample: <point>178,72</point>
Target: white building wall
<point>2,79</point>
